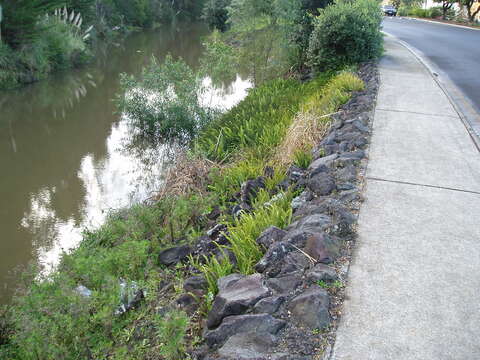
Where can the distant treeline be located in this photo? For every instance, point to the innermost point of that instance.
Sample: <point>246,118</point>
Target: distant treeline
<point>41,36</point>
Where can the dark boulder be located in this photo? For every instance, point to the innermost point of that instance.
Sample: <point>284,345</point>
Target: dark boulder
<point>249,190</point>
<point>322,272</point>
<point>322,247</point>
<point>284,257</point>
<point>326,161</point>
<point>235,297</point>
<point>248,346</point>
<point>256,323</point>
<point>269,305</point>
<point>195,284</point>
<point>295,174</point>
<point>310,309</point>
<point>269,236</point>
<point>285,284</point>
<point>187,303</point>
<point>302,199</point>
<point>174,255</point>
<point>354,155</point>
<point>217,231</point>
<point>321,184</point>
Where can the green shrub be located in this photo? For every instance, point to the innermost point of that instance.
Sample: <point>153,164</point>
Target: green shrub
<point>9,72</point>
<point>404,10</point>
<point>346,33</point>
<point>419,12</point>
<point>164,103</point>
<point>435,12</point>
<point>60,46</point>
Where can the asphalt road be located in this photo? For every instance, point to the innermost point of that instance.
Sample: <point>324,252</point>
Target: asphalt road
<point>453,50</point>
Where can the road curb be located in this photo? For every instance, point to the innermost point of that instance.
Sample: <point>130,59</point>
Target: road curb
<point>463,118</point>
<point>438,22</point>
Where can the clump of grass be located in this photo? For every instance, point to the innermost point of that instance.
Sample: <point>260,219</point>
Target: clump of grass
<point>213,269</point>
<point>244,232</point>
<point>225,181</point>
<point>171,330</point>
<point>312,122</point>
<point>302,158</point>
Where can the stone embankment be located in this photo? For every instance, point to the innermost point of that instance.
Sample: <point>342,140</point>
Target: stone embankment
<point>288,309</point>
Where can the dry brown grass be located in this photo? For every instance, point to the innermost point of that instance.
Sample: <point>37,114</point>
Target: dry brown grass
<point>312,122</point>
<point>306,130</point>
<point>189,174</point>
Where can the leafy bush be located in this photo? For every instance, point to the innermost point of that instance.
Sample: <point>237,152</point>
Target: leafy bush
<point>296,17</point>
<point>164,103</point>
<point>347,32</point>
<point>9,72</point>
<point>419,12</point>
<point>435,12</point>
<point>61,46</point>
<point>53,321</point>
<point>20,23</point>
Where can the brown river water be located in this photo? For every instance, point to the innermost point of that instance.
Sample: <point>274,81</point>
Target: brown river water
<point>63,160</point>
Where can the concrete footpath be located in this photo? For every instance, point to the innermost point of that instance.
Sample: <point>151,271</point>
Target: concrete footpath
<point>413,289</point>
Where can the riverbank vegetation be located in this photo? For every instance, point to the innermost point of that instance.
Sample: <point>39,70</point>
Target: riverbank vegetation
<point>38,37</point>
<point>122,294</point>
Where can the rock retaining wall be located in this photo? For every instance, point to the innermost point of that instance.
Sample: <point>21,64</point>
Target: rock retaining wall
<point>289,309</point>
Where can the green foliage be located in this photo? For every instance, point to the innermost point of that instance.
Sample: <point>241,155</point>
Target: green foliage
<point>171,330</point>
<point>243,233</point>
<point>164,103</point>
<point>296,19</point>
<point>60,46</point>
<point>9,71</point>
<point>219,60</point>
<point>213,268</point>
<point>432,13</point>
<point>227,181</point>
<point>245,230</point>
<point>258,122</point>
<point>52,321</point>
<point>346,33</point>
<point>20,23</point>
<point>302,158</point>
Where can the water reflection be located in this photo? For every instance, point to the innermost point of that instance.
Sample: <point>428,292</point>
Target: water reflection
<point>62,151</point>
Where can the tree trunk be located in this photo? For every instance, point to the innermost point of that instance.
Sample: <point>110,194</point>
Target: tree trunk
<point>445,7</point>
<point>471,15</point>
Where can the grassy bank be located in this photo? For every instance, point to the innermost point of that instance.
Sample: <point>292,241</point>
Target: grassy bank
<point>53,320</point>
<point>113,297</point>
